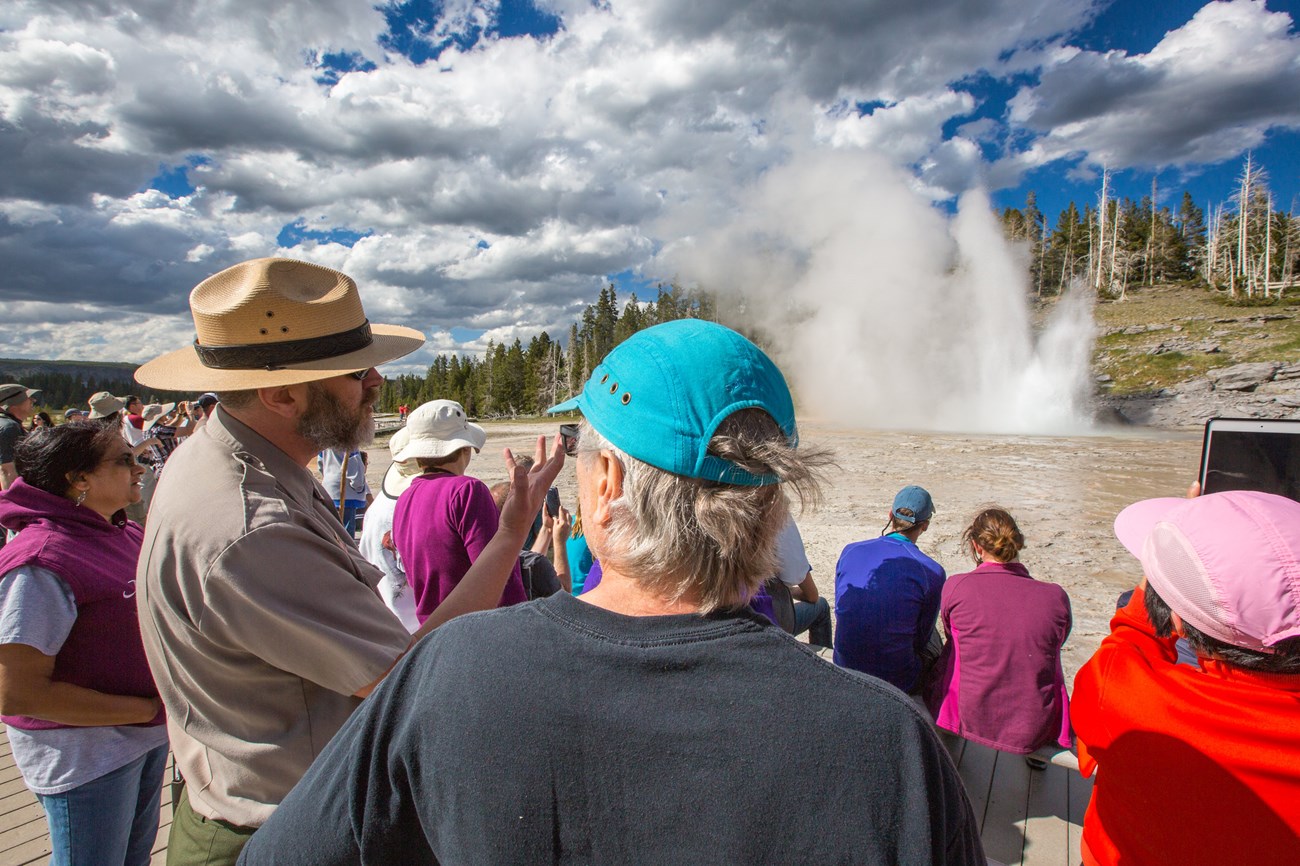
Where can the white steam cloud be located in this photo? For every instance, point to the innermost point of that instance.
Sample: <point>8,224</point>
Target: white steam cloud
<point>884,311</point>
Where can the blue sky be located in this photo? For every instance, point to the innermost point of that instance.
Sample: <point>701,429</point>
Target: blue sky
<point>1136,28</point>
<point>483,167</point>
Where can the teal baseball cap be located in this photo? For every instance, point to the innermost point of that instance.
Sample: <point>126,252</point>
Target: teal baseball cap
<point>660,395</point>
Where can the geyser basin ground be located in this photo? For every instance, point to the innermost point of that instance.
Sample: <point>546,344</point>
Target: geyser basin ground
<point>1064,491</point>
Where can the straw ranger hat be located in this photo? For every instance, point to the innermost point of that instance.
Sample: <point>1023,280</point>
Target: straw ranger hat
<point>439,428</point>
<point>270,322</point>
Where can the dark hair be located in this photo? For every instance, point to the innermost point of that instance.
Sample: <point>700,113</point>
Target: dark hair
<point>44,416</point>
<point>995,530</point>
<point>47,456</point>
<point>130,398</point>
<point>235,399</point>
<point>110,421</point>
<point>1284,659</point>
<point>436,462</point>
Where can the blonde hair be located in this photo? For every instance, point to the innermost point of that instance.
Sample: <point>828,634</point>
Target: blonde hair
<point>996,532</point>
<point>680,536</point>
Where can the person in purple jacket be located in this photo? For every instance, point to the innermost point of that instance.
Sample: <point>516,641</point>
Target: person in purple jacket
<point>998,680</point>
<point>445,518</point>
<point>83,713</point>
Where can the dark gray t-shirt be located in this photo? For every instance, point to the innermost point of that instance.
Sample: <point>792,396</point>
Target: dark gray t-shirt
<point>11,433</point>
<point>556,730</point>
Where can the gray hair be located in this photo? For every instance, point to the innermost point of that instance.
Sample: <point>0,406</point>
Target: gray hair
<point>679,536</point>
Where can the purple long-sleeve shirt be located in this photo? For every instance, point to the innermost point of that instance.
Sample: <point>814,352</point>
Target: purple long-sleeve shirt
<point>441,525</point>
<point>999,680</point>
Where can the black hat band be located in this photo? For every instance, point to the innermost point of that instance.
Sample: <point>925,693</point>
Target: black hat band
<point>277,356</point>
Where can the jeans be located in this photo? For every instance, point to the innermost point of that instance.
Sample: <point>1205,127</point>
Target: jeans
<point>109,820</point>
<point>350,510</point>
<point>814,618</point>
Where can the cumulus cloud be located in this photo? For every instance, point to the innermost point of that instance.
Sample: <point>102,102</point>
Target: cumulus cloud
<point>1208,91</point>
<point>498,185</point>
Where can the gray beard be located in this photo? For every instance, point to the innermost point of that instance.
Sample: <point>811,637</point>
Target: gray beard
<point>327,423</point>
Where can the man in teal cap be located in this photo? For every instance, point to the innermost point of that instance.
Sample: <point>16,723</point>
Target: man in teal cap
<point>649,720</point>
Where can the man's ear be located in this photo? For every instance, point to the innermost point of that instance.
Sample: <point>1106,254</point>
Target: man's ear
<point>286,401</point>
<point>1177,622</point>
<point>608,478</point>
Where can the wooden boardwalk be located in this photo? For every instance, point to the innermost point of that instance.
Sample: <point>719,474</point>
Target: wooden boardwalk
<point>24,836</point>
<point>1027,817</point>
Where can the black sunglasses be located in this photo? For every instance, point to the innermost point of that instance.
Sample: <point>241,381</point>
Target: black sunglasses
<point>360,375</point>
<point>569,436</point>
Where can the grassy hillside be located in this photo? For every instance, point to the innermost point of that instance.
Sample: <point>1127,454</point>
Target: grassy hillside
<point>1163,335</point>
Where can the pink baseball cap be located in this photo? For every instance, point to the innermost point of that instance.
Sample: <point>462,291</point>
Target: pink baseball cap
<point>1227,563</point>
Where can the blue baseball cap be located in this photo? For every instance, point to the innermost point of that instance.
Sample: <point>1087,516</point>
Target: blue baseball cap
<point>916,500</point>
<point>660,395</point>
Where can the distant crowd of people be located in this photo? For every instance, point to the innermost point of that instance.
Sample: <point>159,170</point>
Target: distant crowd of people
<point>487,677</point>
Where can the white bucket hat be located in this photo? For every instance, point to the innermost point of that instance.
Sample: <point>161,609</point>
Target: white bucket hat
<point>102,404</point>
<point>400,473</point>
<point>155,412</point>
<point>439,428</point>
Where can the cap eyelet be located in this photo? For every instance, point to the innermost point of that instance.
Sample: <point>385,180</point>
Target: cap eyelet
<point>264,331</point>
<point>284,329</point>
<point>613,388</point>
<point>270,314</point>
<point>627,398</point>
<point>604,379</point>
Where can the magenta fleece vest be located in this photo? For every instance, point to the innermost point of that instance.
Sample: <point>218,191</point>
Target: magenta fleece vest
<point>97,559</point>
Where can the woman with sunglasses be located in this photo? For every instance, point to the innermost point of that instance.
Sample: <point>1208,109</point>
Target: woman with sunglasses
<point>84,718</point>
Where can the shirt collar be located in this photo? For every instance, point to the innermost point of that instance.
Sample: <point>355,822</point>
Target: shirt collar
<point>246,441</point>
<point>1013,567</point>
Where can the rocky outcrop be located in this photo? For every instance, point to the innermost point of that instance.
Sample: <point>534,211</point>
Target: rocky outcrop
<point>1253,390</point>
<point>1242,377</point>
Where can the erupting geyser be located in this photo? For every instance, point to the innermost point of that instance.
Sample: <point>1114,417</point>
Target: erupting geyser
<point>886,312</point>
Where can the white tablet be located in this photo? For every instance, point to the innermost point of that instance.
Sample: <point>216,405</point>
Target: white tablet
<point>1249,454</point>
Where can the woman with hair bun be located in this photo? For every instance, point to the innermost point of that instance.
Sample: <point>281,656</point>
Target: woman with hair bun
<point>999,680</point>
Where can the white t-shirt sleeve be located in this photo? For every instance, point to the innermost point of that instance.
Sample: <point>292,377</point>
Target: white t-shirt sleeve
<point>132,436</point>
<point>789,550</point>
<point>37,608</point>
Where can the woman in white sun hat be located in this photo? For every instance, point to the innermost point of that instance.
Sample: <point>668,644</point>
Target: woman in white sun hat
<point>445,518</point>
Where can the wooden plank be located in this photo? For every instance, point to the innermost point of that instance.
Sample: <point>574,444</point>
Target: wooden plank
<point>953,743</point>
<point>31,851</point>
<point>1047,828</point>
<point>1080,791</point>
<point>1004,816</point>
<point>30,839</point>
<point>17,800</point>
<point>17,817</point>
<point>976,771</point>
<point>13,786</point>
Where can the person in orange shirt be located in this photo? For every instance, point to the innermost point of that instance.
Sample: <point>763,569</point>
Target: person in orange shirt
<point>1198,764</point>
